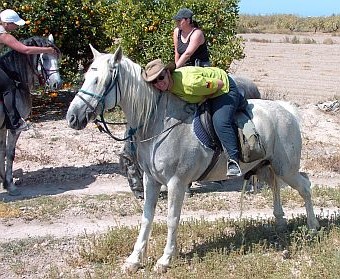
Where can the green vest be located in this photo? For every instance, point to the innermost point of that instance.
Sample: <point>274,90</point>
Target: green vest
<point>195,84</point>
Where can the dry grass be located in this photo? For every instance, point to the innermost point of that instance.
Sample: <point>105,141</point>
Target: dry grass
<point>224,248</point>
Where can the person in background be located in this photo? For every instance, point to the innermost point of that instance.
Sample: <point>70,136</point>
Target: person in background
<point>189,41</point>
<point>197,84</point>
<point>190,49</point>
<point>10,21</point>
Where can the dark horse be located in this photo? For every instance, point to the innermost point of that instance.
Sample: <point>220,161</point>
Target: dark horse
<point>24,70</point>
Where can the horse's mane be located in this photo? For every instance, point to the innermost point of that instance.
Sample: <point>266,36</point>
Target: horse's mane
<point>140,95</point>
<point>38,41</point>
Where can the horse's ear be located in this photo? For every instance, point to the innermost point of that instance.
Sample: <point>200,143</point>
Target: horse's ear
<point>118,55</point>
<point>50,38</point>
<point>95,52</point>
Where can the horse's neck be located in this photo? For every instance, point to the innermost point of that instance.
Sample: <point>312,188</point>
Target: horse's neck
<point>168,111</point>
<point>146,109</point>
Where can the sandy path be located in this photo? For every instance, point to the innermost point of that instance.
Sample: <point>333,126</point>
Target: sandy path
<point>304,73</point>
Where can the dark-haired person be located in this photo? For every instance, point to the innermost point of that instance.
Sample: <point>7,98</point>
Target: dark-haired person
<point>189,41</point>
<point>10,21</point>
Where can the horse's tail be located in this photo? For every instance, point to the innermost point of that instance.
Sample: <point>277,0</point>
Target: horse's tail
<point>292,109</point>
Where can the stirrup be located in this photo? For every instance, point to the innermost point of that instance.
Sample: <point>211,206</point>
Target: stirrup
<point>233,168</point>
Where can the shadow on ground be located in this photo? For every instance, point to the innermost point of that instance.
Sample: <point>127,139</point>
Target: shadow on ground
<point>58,180</point>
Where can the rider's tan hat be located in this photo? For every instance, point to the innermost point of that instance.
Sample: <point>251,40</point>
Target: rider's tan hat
<point>154,68</point>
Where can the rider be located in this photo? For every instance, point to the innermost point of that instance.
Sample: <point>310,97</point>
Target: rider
<point>10,21</point>
<point>197,84</point>
<point>189,42</point>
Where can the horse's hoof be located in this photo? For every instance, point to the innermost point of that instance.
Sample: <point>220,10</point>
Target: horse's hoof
<point>14,192</point>
<point>281,225</point>
<point>160,268</point>
<point>130,268</point>
<point>313,226</point>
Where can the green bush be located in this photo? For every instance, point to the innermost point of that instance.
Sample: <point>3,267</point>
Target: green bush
<point>143,28</point>
<point>73,23</point>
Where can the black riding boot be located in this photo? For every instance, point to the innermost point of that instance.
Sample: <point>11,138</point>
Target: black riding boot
<point>12,115</point>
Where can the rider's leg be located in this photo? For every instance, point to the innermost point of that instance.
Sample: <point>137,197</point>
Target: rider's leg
<point>131,168</point>
<point>7,89</point>
<point>223,109</point>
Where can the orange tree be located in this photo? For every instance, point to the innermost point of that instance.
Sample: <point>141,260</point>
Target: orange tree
<point>142,28</point>
<point>73,23</point>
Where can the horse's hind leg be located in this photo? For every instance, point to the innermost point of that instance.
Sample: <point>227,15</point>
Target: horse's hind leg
<point>302,185</point>
<point>268,175</point>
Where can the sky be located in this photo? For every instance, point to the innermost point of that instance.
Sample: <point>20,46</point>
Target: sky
<point>296,7</point>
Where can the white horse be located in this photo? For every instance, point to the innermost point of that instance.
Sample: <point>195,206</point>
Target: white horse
<point>169,152</point>
<point>24,70</point>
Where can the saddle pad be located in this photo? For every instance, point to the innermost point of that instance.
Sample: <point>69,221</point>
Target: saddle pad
<point>250,143</point>
<point>201,133</point>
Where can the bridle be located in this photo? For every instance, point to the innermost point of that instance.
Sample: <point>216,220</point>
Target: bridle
<point>101,100</point>
<point>43,74</point>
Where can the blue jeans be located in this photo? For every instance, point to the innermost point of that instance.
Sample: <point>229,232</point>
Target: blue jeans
<point>223,110</point>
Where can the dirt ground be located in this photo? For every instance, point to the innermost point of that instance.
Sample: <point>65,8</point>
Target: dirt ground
<point>54,160</point>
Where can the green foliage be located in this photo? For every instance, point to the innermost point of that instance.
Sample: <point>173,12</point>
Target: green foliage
<point>73,23</point>
<point>143,28</point>
<point>283,23</point>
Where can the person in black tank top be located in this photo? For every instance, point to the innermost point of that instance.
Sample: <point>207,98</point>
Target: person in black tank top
<point>190,50</point>
<point>189,41</point>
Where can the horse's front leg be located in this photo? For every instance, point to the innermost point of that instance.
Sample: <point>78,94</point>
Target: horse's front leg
<point>176,192</point>
<point>12,139</point>
<point>151,193</point>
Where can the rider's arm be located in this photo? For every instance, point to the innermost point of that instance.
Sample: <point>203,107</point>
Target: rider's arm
<point>10,41</point>
<point>175,39</point>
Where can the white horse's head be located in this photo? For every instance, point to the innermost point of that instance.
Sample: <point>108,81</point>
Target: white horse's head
<point>45,66</point>
<point>100,79</point>
<point>48,66</point>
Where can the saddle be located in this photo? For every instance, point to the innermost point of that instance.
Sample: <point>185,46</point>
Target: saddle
<point>250,145</point>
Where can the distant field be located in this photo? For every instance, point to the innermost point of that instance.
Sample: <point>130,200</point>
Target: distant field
<point>300,72</point>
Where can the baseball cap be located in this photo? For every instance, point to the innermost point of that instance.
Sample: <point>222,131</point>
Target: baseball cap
<point>154,68</point>
<point>11,16</point>
<point>183,13</point>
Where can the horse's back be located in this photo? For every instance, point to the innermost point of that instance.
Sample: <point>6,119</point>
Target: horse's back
<point>246,87</point>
